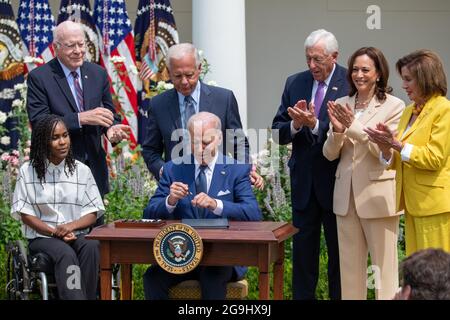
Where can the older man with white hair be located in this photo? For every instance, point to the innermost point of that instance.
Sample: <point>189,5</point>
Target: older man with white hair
<point>302,120</point>
<point>206,185</point>
<point>170,111</point>
<point>79,92</point>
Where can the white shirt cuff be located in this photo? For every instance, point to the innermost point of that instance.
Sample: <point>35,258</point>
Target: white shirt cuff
<point>169,207</point>
<point>315,131</point>
<point>406,152</point>
<point>293,130</point>
<point>79,123</point>
<point>385,162</point>
<point>218,210</point>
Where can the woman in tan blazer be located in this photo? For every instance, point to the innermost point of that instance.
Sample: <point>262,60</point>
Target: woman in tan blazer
<point>364,191</point>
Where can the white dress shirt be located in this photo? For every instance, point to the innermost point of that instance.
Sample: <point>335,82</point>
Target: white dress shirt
<point>70,81</point>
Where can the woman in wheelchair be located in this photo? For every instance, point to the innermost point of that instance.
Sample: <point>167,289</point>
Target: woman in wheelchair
<point>57,200</point>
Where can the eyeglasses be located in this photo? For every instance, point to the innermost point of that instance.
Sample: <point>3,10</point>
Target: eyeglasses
<point>72,46</point>
<point>317,59</point>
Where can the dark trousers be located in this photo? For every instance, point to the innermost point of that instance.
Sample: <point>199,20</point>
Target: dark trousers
<point>306,251</point>
<point>213,282</point>
<point>76,265</point>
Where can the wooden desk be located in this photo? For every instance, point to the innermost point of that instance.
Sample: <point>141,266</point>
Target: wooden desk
<point>245,243</point>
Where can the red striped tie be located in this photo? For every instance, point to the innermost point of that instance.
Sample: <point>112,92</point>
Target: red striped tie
<point>78,91</point>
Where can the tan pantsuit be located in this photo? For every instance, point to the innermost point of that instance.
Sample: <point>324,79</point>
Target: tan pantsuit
<point>364,202</point>
<point>357,237</point>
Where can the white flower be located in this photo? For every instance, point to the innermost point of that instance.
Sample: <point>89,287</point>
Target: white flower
<point>160,85</point>
<point>127,155</point>
<point>117,59</point>
<point>3,117</point>
<point>5,140</point>
<point>17,103</point>
<point>212,83</point>
<point>200,53</point>
<point>168,86</point>
<point>29,59</point>
<point>133,69</point>
<point>20,86</point>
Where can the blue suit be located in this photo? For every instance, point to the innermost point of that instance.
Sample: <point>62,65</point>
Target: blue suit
<point>49,93</point>
<point>312,184</point>
<point>238,204</point>
<point>164,118</point>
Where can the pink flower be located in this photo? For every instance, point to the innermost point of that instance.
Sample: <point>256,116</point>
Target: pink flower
<point>14,161</point>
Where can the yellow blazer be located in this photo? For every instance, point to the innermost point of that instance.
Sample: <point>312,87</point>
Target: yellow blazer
<point>424,180</point>
<point>359,167</point>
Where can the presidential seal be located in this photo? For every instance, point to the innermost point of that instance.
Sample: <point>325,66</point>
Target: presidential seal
<point>178,248</point>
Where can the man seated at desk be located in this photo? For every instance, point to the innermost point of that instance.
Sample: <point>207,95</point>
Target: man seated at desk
<point>208,185</point>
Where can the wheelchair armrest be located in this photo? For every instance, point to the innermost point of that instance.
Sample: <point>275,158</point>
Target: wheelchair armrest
<point>41,262</point>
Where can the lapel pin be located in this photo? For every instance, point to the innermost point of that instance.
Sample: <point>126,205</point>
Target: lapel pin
<point>222,172</point>
<point>334,88</point>
<point>85,77</point>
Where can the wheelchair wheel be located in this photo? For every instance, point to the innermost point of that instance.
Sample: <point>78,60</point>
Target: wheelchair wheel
<point>17,275</point>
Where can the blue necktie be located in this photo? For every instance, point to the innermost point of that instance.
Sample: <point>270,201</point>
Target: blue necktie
<point>201,186</point>
<point>189,109</point>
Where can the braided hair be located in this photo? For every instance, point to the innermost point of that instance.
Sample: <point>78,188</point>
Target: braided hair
<point>41,137</point>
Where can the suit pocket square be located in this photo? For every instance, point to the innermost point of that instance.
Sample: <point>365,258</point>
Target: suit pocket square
<point>223,193</point>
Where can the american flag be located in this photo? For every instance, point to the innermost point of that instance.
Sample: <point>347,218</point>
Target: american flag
<point>155,32</point>
<point>36,25</point>
<point>116,39</point>
<point>80,11</point>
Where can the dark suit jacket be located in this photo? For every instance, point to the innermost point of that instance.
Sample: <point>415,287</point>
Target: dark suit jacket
<point>164,117</point>
<point>49,93</point>
<point>309,168</point>
<point>229,179</point>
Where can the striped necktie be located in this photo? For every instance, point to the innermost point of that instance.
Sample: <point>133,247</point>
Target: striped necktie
<point>78,91</point>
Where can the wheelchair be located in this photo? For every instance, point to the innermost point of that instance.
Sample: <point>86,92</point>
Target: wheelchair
<point>32,276</point>
<point>28,276</point>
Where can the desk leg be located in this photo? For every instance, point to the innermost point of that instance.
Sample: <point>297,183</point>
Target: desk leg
<point>264,289</point>
<point>105,271</point>
<point>263,265</point>
<point>278,272</point>
<point>125,276</point>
